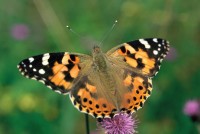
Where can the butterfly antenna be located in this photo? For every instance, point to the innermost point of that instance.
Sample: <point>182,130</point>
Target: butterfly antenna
<point>71,30</point>
<point>107,34</point>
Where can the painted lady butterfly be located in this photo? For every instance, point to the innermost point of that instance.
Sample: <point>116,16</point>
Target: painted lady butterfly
<point>105,83</point>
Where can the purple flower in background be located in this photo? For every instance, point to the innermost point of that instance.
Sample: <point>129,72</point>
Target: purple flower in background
<point>192,109</point>
<point>172,55</point>
<point>120,124</point>
<point>20,31</point>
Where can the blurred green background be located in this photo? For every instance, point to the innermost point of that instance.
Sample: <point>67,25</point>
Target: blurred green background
<point>32,27</point>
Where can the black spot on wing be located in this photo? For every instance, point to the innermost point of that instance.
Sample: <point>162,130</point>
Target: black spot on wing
<point>123,49</point>
<point>55,57</point>
<point>72,57</point>
<point>140,64</point>
<point>68,77</point>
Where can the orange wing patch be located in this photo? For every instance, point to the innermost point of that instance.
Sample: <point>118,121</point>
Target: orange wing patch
<point>137,58</point>
<point>65,72</point>
<point>140,89</point>
<point>91,88</point>
<point>74,71</point>
<point>87,101</point>
<point>67,58</point>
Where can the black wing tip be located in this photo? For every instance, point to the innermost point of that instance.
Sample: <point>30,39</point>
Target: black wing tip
<point>22,67</point>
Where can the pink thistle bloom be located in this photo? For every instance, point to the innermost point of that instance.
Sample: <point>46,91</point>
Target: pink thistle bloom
<point>20,31</point>
<point>120,124</point>
<point>192,109</point>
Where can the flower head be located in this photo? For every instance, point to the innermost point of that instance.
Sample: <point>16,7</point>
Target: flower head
<point>120,124</point>
<point>20,31</point>
<point>192,109</point>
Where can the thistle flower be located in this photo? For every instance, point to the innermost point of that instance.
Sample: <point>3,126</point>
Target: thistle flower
<point>192,109</point>
<point>120,124</point>
<point>20,31</point>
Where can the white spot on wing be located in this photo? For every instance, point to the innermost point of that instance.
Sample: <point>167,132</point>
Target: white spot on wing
<point>49,87</point>
<point>155,52</point>
<point>45,62</point>
<point>30,66</point>
<point>47,55</point>
<point>34,70</point>
<point>155,40</point>
<point>41,71</point>
<point>57,91</point>
<point>45,59</point>
<point>156,73</point>
<point>42,81</point>
<point>33,78</point>
<point>31,59</point>
<point>145,43</point>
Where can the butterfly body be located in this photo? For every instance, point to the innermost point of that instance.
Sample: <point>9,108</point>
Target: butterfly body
<point>99,60</point>
<point>102,84</point>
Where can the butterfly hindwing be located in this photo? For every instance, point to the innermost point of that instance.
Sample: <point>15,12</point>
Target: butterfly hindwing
<point>95,93</point>
<point>86,97</point>
<point>139,89</point>
<point>144,55</point>
<point>57,71</point>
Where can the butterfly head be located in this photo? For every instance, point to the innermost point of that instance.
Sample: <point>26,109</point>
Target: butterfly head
<point>96,50</point>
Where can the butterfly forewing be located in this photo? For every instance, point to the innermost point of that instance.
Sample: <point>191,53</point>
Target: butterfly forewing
<point>57,71</point>
<point>143,55</point>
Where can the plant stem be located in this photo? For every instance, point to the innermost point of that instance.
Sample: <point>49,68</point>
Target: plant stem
<point>87,124</point>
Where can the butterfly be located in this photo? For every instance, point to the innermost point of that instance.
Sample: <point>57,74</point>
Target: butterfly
<point>102,84</point>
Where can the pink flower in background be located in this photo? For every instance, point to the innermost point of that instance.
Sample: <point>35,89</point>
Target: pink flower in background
<point>172,55</point>
<point>20,31</point>
<point>119,124</point>
<point>192,109</point>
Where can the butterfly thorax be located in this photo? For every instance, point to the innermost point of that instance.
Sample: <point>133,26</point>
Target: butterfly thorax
<point>99,59</point>
<point>102,68</point>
